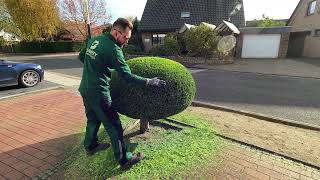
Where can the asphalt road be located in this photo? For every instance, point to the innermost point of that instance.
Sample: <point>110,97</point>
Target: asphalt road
<point>278,96</point>
<point>68,65</point>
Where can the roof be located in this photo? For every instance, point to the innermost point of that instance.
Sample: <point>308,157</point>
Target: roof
<point>8,36</point>
<point>225,25</point>
<point>291,17</point>
<point>165,15</point>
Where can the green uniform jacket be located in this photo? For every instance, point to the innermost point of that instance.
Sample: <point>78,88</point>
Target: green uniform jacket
<point>100,57</point>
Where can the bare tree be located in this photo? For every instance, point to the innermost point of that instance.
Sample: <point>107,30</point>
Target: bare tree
<point>74,11</point>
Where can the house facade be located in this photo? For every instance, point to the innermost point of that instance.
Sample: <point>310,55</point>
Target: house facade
<point>161,17</point>
<point>7,36</point>
<point>305,35</point>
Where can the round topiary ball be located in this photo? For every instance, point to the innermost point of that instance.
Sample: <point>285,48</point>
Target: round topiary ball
<point>153,103</point>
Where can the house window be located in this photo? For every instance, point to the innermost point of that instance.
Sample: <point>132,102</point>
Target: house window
<point>312,8</point>
<point>158,39</point>
<point>185,14</point>
<point>317,32</point>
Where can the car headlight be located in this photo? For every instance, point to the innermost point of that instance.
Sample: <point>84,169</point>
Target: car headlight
<point>38,67</point>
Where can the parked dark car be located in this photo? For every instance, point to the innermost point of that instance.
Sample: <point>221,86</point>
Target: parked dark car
<point>22,74</point>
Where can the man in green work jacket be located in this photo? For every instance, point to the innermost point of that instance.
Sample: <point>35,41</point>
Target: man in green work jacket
<point>102,54</point>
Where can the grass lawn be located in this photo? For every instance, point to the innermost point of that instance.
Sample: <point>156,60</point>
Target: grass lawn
<point>172,147</point>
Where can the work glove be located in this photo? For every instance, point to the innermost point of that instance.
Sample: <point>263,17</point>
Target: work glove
<point>156,82</point>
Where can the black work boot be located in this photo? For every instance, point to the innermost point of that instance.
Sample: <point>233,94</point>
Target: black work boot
<point>99,147</point>
<point>134,160</point>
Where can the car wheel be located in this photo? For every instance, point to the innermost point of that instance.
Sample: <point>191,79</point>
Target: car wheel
<point>29,78</point>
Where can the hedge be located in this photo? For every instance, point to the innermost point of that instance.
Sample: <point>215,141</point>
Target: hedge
<point>43,47</point>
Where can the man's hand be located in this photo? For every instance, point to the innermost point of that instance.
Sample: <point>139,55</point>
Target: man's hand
<point>156,82</point>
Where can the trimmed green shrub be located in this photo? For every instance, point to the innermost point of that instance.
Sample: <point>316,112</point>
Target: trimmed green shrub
<point>201,41</point>
<point>150,102</point>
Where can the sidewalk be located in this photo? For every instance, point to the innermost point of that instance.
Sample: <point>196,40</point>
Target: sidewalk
<point>309,68</point>
<point>242,162</point>
<point>38,130</point>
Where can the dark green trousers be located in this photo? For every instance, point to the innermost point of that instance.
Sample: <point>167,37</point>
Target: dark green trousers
<point>99,110</point>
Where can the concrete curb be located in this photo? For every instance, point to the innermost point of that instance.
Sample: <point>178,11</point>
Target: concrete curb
<point>258,116</point>
<point>256,73</point>
<point>64,75</point>
<point>32,92</point>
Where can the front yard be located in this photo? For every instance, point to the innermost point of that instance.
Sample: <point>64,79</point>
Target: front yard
<point>172,147</point>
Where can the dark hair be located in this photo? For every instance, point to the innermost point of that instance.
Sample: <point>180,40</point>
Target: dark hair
<point>122,24</point>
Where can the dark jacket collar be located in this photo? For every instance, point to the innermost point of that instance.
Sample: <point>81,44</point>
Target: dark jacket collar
<point>112,39</point>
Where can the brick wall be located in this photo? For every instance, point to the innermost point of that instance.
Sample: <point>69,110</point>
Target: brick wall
<point>284,43</point>
<point>239,46</point>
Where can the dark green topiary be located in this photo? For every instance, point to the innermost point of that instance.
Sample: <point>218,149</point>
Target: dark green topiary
<point>151,102</point>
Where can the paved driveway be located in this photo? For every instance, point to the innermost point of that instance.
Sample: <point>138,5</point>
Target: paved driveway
<point>285,67</point>
<point>38,131</point>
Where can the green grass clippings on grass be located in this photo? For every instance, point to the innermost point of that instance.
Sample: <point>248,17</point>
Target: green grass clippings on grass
<point>170,149</point>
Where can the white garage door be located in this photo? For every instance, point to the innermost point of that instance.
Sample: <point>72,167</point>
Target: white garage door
<point>261,46</point>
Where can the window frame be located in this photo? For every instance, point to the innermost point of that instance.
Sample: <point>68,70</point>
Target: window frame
<point>158,38</point>
<point>317,32</point>
<point>309,13</point>
<point>185,14</point>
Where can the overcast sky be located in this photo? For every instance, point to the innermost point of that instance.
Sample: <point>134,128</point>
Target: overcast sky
<point>254,9</point>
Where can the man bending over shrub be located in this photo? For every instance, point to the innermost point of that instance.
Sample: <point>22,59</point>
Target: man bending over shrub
<point>101,54</point>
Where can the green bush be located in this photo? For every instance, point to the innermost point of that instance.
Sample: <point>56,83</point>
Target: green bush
<point>150,102</point>
<point>45,47</point>
<point>169,48</point>
<point>171,44</point>
<point>201,41</point>
<point>159,50</point>
<point>132,49</point>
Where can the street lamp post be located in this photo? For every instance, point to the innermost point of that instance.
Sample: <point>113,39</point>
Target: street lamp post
<point>87,20</point>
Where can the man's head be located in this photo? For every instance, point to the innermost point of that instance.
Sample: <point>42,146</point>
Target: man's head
<point>121,30</point>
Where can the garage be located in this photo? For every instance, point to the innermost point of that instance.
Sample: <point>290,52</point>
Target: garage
<point>261,46</point>
<point>263,43</point>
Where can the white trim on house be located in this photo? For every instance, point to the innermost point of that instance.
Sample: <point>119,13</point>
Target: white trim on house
<point>185,27</point>
<point>227,25</point>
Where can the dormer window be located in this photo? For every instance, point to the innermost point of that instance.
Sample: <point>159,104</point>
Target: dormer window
<point>185,14</point>
<point>312,8</point>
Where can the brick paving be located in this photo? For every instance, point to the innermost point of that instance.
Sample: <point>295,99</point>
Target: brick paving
<point>242,162</point>
<point>36,132</point>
